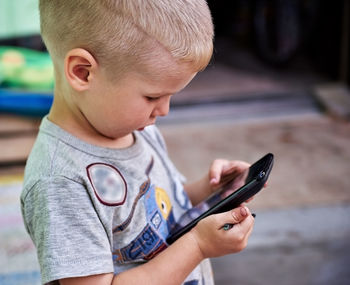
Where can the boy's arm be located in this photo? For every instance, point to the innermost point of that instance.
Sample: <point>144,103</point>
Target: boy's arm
<point>199,190</point>
<point>204,187</point>
<point>171,266</point>
<point>174,264</point>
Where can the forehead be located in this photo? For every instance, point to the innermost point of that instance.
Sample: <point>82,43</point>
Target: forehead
<point>169,81</point>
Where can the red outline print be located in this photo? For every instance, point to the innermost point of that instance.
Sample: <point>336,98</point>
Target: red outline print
<point>108,183</point>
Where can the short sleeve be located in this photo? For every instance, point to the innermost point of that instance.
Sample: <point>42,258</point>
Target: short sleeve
<point>71,240</point>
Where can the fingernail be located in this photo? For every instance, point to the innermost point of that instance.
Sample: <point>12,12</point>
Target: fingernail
<point>243,211</point>
<point>213,181</point>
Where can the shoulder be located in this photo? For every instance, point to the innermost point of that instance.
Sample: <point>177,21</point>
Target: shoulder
<point>45,190</point>
<point>46,165</point>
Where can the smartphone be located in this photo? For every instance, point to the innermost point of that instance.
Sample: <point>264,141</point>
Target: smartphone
<point>244,186</point>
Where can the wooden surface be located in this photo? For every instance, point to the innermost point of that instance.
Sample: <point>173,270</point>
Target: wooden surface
<point>17,136</point>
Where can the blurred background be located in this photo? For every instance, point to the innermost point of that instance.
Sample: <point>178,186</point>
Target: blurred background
<point>278,82</point>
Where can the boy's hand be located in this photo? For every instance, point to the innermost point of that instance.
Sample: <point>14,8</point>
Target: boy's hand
<point>214,241</point>
<point>221,167</point>
<point>223,171</point>
<point>231,174</point>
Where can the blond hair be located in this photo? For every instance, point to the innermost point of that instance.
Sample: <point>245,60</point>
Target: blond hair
<point>120,33</point>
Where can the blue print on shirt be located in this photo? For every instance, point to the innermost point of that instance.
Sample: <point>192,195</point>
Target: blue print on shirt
<point>192,282</point>
<point>146,245</point>
<point>159,211</point>
<point>160,219</point>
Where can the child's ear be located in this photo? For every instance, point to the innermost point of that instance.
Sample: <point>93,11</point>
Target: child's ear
<point>79,68</point>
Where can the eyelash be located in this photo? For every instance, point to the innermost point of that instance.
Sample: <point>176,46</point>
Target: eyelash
<point>152,98</point>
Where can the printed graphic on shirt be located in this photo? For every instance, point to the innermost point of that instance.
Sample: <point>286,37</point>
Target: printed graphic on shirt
<point>145,246</point>
<point>163,202</point>
<point>160,219</point>
<point>192,282</point>
<point>159,210</point>
<point>108,183</point>
<point>143,189</point>
<point>182,198</point>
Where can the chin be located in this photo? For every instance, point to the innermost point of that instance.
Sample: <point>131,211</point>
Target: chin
<point>116,136</point>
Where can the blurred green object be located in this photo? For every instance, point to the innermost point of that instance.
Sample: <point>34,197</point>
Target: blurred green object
<point>19,18</point>
<point>26,69</point>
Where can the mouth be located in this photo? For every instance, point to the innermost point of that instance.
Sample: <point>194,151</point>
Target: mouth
<point>142,128</point>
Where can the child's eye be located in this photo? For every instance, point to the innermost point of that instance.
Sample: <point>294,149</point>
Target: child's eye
<point>151,98</point>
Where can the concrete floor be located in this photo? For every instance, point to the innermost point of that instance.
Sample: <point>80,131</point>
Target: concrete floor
<point>303,246</point>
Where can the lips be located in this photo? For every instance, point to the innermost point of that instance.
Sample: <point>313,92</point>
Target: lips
<point>152,123</point>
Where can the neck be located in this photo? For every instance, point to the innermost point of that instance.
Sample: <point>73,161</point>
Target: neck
<point>69,118</point>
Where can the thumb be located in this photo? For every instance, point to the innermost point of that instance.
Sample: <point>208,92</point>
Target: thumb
<point>234,216</point>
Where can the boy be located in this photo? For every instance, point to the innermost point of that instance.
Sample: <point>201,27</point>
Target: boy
<point>100,194</point>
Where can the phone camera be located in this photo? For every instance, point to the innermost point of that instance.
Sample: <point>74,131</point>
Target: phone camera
<point>261,175</point>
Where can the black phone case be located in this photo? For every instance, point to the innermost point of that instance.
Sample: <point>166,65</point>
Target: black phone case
<point>258,175</point>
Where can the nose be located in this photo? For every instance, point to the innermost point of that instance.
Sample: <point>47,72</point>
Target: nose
<point>162,107</point>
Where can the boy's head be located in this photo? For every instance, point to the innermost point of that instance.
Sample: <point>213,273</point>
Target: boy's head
<point>124,35</point>
<point>118,62</point>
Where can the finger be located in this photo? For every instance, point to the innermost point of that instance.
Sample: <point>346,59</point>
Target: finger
<point>216,170</point>
<point>232,171</point>
<point>238,165</point>
<point>244,228</point>
<point>247,225</point>
<point>232,217</point>
<point>221,169</point>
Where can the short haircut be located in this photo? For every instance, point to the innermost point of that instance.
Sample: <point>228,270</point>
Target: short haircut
<point>120,33</point>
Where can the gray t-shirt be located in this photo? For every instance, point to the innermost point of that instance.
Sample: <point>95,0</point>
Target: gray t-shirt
<point>93,210</point>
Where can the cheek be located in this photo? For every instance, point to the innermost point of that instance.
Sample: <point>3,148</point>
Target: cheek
<point>134,112</point>
<point>139,107</point>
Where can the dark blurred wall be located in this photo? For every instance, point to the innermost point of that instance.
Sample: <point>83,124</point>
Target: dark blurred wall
<point>324,44</point>
<point>280,30</point>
